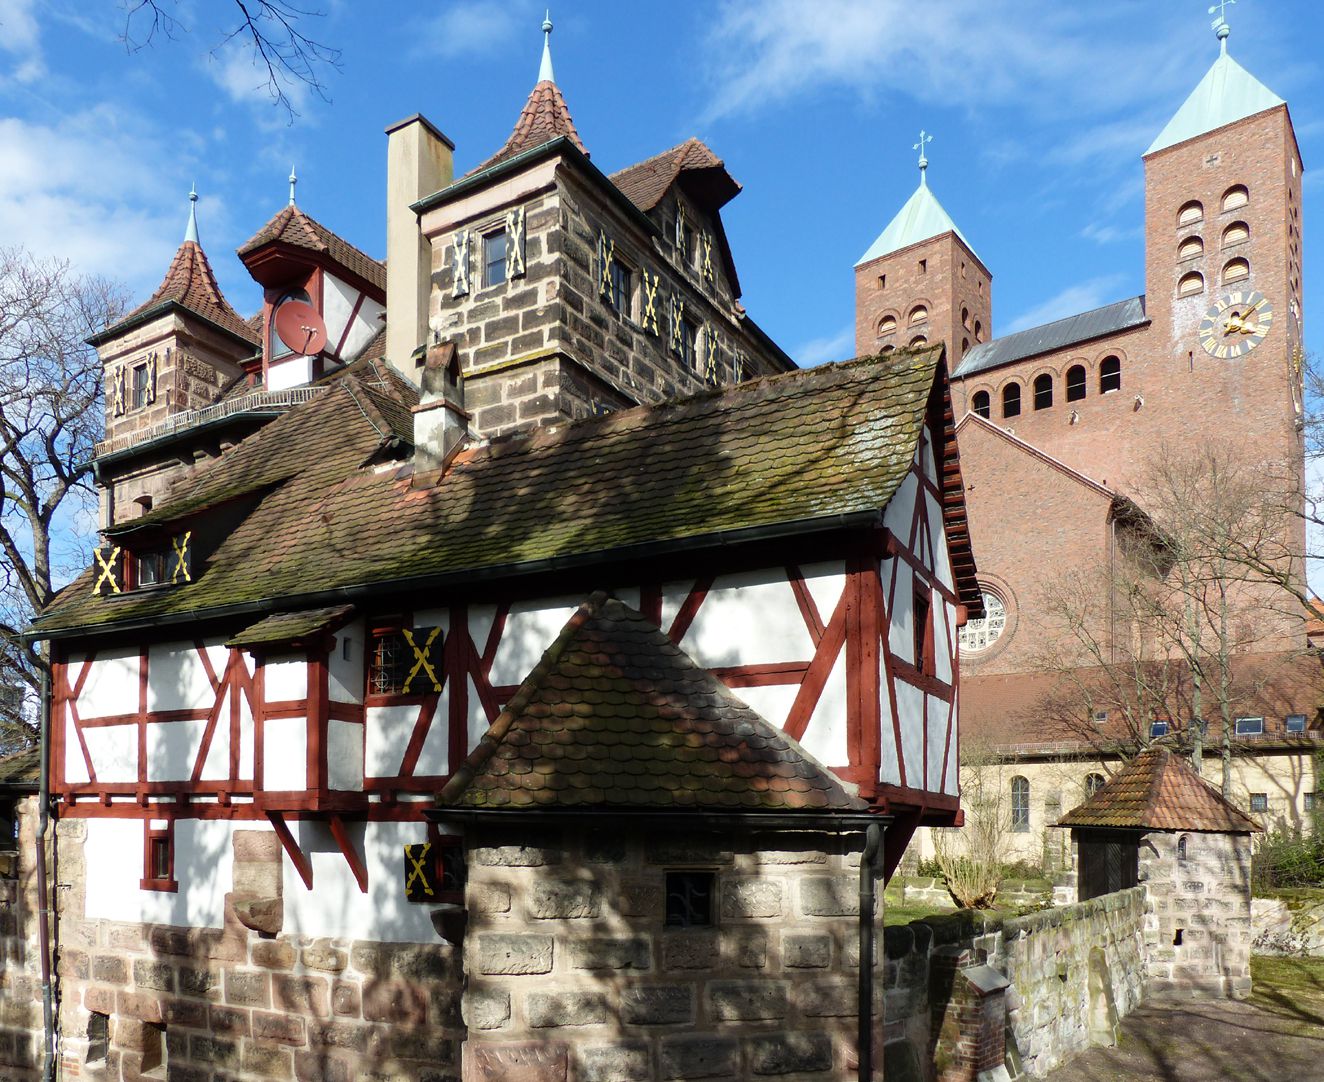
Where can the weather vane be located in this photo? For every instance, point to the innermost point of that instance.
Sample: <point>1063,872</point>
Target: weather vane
<point>924,138</point>
<point>1220,25</point>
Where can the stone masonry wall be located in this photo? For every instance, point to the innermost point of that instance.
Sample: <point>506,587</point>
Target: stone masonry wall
<point>573,975</point>
<point>20,960</point>
<point>235,1004</point>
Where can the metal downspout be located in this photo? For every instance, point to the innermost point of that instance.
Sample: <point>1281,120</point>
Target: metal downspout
<point>43,897</point>
<point>864,1011</point>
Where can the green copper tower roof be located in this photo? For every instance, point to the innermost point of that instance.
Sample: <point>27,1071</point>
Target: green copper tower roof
<point>920,218</point>
<point>1228,92</point>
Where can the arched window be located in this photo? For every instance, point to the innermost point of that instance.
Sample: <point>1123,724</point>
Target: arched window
<point>1075,383</point>
<point>1020,805</point>
<point>1011,400</point>
<point>1043,391</point>
<point>1183,850</point>
<point>1236,196</point>
<point>1190,284</point>
<point>1234,270</point>
<point>979,331</point>
<point>918,314</point>
<point>965,346</point>
<point>1093,783</point>
<point>919,340</point>
<point>980,634</point>
<point>965,317</point>
<point>1110,375</point>
<point>887,348</point>
<point>1190,248</point>
<point>979,403</point>
<point>1190,213</point>
<point>886,325</point>
<point>1236,233</point>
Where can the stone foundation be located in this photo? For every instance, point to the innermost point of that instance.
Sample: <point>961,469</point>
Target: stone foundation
<point>20,957</point>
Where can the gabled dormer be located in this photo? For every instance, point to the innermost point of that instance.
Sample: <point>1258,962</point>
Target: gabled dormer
<point>324,300</point>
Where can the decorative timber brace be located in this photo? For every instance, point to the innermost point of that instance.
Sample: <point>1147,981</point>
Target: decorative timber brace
<point>712,355</point>
<point>460,286</point>
<point>677,325</point>
<point>426,643</point>
<point>738,365</point>
<point>179,566</point>
<point>515,243</point>
<point>650,283</point>
<point>706,258</point>
<point>110,570</point>
<point>606,253</point>
<point>118,394</point>
<point>680,230</point>
<point>149,395</point>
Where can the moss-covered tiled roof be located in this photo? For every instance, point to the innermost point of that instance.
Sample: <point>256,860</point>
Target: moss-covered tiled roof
<point>292,627</point>
<point>21,770</point>
<point>804,447</point>
<point>1158,790</point>
<point>617,716</point>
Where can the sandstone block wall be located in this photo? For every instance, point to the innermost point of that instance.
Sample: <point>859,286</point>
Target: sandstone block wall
<point>573,974</point>
<point>20,960</point>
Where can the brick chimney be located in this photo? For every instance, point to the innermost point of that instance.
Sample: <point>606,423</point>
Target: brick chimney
<point>440,422</point>
<point>418,163</point>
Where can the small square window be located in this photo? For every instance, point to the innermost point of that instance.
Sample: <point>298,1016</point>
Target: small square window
<point>1295,723</point>
<point>494,258</point>
<point>149,569</point>
<point>1259,802</point>
<point>159,859</point>
<point>388,662</point>
<point>689,333</point>
<point>140,377</point>
<point>98,1038</point>
<point>924,266</point>
<point>1308,801</point>
<point>882,281</point>
<point>1100,716</point>
<point>1157,729</point>
<point>690,899</point>
<point>1250,726</point>
<point>622,288</point>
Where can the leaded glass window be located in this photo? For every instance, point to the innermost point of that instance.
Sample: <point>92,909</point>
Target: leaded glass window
<point>1020,805</point>
<point>981,634</point>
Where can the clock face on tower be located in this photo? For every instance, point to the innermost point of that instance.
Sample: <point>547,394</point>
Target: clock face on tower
<point>1236,323</point>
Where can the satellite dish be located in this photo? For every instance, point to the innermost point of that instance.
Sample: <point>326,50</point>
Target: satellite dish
<point>300,327</point>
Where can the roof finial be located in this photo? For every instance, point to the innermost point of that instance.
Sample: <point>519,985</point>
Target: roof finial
<point>293,181</point>
<point>1220,25</point>
<point>924,137</point>
<point>191,233</point>
<point>545,74</point>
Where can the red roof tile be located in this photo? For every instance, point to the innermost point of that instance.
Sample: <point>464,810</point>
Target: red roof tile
<point>1158,790</point>
<point>544,117</point>
<point>191,284</point>
<point>292,226</point>
<point>646,182</point>
<point>615,715</point>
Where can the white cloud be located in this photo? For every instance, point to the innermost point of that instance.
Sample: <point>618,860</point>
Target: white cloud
<point>1108,233</point>
<point>20,37</point>
<point>835,347</point>
<point>241,73</point>
<point>473,25</point>
<point>1069,302</point>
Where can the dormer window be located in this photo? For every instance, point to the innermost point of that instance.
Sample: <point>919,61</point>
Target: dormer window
<point>494,258</point>
<point>279,348</point>
<point>149,568</point>
<point>141,382</point>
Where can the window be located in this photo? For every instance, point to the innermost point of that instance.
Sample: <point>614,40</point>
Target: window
<point>149,569</point>
<point>1110,375</point>
<point>494,258</point>
<point>1250,726</point>
<point>1043,391</point>
<point>882,281</point>
<point>622,290</point>
<point>1236,196</point>
<point>1236,233</point>
<point>979,331</point>
<point>1190,248</point>
<point>388,668</point>
<point>886,325</point>
<point>159,857</point>
<point>923,629</point>
<point>1093,783</point>
<point>1190,213</point>
<point>965,317</point>
<point>1190,284</point>
<point>689,333</point>
<point>1259,802</point>
<point>980,403</point>
<point>689,899</point>
<point>1020,805</point>
<point>1295,723</point>
<point>918,314</point>
<point>1308,801</point>
<point>1157,729</point>
<point>980,634</point>
<point>965,346</point>
<point>924,266</point>
<point>140,376</point>
<point>918,340</point>
<point>1011,400</point>
<point>1182,844</point>
<point>154,1050</point>
<point>1075,383</point>
<point>1234,270</point>
<point>98,1038</point>
<point>1100,717</point>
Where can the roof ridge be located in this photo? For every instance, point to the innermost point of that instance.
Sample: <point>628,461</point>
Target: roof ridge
<point>1044,456</point>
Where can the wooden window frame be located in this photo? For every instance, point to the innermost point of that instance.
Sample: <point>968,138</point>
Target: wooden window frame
<point>138,392</point>
<point>488,241</point>
<point>1077,383</point>
<point>620,290</point>
<point>1011,400</point>
<point>921,594</point>
<point>1020,805</point>
<point>1113,376</point>
<point>1259,803</point>
<point>154,838</point>
<point>376,630</point>
<point>710,917</point>
<point>448,849</point>
<point>1043,391</point>
<point>987,409</point>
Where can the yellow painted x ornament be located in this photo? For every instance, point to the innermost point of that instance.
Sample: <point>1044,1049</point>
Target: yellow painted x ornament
<point>421,662</point>
<point>107,574</point>
<point>417,871</point>
<point>180,545</point>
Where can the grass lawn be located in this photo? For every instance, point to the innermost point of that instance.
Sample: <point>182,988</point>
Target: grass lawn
<point>904,914</point>
<point>1291,988</point>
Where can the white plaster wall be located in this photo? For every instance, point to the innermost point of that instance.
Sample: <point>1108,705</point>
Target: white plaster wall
<point>204,860</point>
<point>286,677</point>
<point>748,619</point>
<point>936,724</point>
<point>285,753</point>
<point>247,740</point>
<point>889,769</point>
<point>825,582</point>
<point>217,766</point>
<point>530,628</point>
<point>901,630</point>
<point>113,750</point>
<point>294,372</point>
<point>942,649</point>
<point>386,735</point>
<point>901,509</point>
<point>951,780</point>
<point>111,686</point>
<point>172,748</point>
<point>337,303</point>
<point>825,735</point>
<point>367,324</point>
<point>344,755</point>
<point>942,560</point>
<point>345,675</point>
<point>910,708</point>
<point>772,702</point>
<point>176,678</point>
<point>335,906</point>
<point>477,722</point>
<point>434,756</point>
<point>75,769</point>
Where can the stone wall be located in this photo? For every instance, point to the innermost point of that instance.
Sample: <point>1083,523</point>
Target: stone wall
<point>237,1003</point>
<point>572,972</point>
<point>20,958</point>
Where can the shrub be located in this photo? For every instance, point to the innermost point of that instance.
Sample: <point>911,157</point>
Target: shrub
<point>1286,858</point>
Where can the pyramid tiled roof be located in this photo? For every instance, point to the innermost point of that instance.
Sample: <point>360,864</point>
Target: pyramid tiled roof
<point>1158,790</point>
<point>292,226</point>
<point>545,117</point>
<point>616,716</point>
<point>190,283</point>
<point>646,182</point>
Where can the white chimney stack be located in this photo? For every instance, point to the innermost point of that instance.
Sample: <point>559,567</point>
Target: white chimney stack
<point>440,422</point>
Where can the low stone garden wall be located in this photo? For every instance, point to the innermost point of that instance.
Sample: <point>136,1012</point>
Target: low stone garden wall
<point>20,958</point>
<point>1287,927</point>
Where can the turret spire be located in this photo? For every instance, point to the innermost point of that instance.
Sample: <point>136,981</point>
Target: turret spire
<point>1220,25</point>
<point>545,73</point>
<point>293,181</point>
<point>191,233</point>
<point>924,137</point>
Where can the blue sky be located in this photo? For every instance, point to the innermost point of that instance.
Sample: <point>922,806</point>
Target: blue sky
<point>1040,110</point>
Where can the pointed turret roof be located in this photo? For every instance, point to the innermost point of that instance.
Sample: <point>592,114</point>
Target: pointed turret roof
<point>617,716</point>
<point>1227,93</point>
<point>1158,790</point>
<point>920,218</point>
<point>299,230</point>
<point>191,284</point>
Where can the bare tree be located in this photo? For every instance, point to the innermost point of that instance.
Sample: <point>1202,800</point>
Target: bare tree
<point>971,856</point>
<point>273,29</point>
<point>50,419</point>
